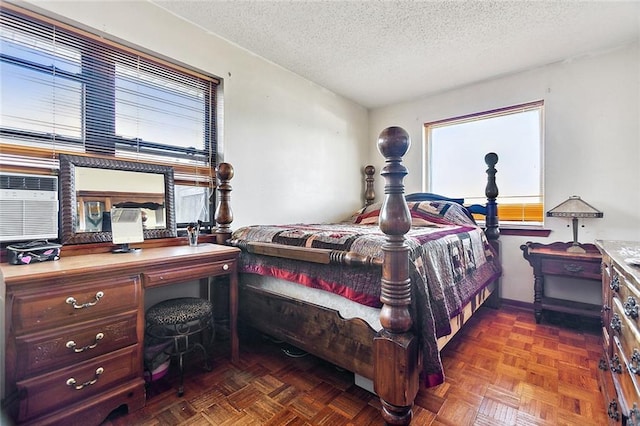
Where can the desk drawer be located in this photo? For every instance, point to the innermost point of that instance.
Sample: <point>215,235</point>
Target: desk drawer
<point>571,268</point>
<point>187,273</point>
<point>74,344</point>
<point>37,310</point>
<point>49,392</point>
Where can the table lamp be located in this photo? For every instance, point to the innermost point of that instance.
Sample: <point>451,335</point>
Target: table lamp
<point>575,207</point>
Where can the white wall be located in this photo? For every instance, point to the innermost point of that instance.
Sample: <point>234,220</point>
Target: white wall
<point>297,149</point>
<point>592,148</point>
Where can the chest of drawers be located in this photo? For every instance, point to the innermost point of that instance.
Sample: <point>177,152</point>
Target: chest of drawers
<point>620,363</point>
<point>75,327</point>
<point>73,341</point>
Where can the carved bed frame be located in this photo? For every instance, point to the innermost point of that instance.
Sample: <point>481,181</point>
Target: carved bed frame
<point>390,357</point>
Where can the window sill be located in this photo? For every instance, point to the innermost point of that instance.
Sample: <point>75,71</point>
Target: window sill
<point>525,231</point>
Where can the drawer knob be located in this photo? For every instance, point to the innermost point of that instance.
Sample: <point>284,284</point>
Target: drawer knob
<point>635,362</point>
<point>573,268</point>
<point>615,284</point>
<point>602,365</point>
<point>72,382</point>
<point>616,324</point>
<point>73,302</point>
<point>72,345</point>
<point>616,367</point>
<point>631,307</point>
<point>634,416</point>
<point>225,267</point>
<point>612,411</point>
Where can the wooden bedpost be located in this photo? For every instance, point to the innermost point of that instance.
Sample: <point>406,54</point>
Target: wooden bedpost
<point>396,366</point>
<point>369,192</point>
<point>491,191</point>
<point>224,215</point>
<point>492,231</point>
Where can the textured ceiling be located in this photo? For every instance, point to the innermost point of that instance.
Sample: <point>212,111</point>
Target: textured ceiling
<point>382,52</point>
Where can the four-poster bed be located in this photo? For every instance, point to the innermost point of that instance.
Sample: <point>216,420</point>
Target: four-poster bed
<point>432,266</point>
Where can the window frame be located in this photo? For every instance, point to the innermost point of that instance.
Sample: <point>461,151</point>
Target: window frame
<point>514,214</point>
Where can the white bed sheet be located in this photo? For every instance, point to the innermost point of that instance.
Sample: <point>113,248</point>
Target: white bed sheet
<point>347,308</point>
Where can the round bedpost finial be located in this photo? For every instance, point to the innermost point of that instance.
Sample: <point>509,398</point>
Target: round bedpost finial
<point>393,142</point>
<point>369,170</point>
<point>224,171</point>
<point>491,159</point>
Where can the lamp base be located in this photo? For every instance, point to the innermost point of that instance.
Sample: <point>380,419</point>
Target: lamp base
<point>575,248</point>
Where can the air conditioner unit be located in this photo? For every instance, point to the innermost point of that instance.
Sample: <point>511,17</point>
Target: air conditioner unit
<point>28,207</point>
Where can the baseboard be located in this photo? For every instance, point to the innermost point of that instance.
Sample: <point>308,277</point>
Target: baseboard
<point>561,319</point>
<point>518,304</point>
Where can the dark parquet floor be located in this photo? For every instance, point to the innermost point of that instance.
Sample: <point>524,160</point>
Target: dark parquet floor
<point>502,369</point>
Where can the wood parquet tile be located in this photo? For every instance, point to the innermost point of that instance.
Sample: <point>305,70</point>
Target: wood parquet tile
<point>502,369</point>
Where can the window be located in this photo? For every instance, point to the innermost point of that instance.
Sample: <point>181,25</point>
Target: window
<point>66,90</point>
<point>455,152</point>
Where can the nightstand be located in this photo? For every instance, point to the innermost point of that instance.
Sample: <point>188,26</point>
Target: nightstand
<point>553,259</point>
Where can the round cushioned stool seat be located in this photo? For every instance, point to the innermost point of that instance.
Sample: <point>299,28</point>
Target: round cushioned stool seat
<point>182,310</point>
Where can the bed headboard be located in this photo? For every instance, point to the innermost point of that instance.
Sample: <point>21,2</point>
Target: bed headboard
<point>489,210</point>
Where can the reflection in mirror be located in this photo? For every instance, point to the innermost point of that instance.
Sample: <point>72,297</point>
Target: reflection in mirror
<point>91,186</point>
<point>192,204</point>
<point>97,190</point>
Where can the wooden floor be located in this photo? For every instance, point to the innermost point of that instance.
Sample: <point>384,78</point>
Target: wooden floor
<point>502,369</point>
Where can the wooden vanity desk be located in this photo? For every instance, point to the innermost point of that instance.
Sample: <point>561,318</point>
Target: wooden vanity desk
<point>75,328</point>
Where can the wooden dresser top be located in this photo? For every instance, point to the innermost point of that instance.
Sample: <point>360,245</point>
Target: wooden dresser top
<point>619,251</point>
<point>108,262</point>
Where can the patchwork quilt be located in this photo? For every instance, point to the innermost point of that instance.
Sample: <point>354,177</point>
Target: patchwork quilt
<point>450,262</point>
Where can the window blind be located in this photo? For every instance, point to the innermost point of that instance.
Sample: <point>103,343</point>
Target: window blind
<point>66,90</point>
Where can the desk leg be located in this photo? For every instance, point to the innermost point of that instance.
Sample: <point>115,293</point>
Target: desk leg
<point>538,293</point>
<point>205,289</point>
<point>233,313</point>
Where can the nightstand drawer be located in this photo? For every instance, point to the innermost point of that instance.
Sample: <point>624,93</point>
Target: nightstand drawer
<point>581,269</point>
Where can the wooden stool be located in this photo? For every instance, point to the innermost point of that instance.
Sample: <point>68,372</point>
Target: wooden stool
<point>180,321</point>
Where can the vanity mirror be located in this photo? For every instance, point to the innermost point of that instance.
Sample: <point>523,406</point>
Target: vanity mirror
<point>91,186</point>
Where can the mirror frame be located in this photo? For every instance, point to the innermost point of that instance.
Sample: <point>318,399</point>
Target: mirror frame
<point>68,199</point>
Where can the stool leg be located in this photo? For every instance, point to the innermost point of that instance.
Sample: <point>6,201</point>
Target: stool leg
<point>208,338</point>
<point>180,353</point>
<point>207,363</point>
<point>181,385</point>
